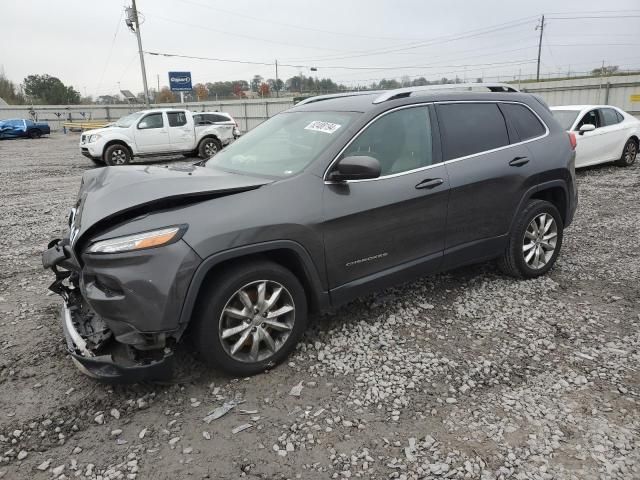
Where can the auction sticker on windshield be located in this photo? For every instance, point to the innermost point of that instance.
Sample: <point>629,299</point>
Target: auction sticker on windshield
<point>325,127</point>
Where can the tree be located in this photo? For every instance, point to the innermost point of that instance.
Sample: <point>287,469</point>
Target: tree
<point>418,82</point>
<point>9,92</point>
<point>294,84</point>
<point>166,96</point>
<point>607,70</point>
<point>201,91</point>
<point>275,85</point>
<point>238,91</point>
<point>405,81</point>
<point>256,82</point>
<point>264,89</point>
<point>50,90</point>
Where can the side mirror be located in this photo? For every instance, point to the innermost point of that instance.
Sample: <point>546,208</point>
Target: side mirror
<point>357,167</point>
<point>587,127</point>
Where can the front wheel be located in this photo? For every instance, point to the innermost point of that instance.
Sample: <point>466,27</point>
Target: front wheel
<point>35,134</point>
<point>208,148</point>
<point>251,317</point>
<point>629,154</point>
<point>117,154</point>
<point>535,241</point>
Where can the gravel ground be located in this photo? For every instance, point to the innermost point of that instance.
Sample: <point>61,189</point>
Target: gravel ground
<point>468,374</point>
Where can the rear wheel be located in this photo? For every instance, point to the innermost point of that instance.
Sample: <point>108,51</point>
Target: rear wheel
<point>629,153</point>
<point>117,154</point>
<point>208,148</point>
<point>252,316</point>
<point>535,241</point>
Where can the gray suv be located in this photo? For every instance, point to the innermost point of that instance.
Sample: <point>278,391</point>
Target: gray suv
<point>337,197</point>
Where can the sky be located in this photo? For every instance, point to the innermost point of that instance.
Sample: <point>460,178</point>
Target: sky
<point>86,44</point>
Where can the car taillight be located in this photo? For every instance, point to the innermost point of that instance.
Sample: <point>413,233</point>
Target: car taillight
<point>572,140</point>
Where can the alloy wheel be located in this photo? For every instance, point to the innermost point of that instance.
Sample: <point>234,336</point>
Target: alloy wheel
<point>540,239</point>
<point>210,149</point>
<point>256,321</point>
<point>630,153</point>
<point>118,157</point>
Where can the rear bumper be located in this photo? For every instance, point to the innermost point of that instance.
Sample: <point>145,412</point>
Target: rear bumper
<point>103,367</point>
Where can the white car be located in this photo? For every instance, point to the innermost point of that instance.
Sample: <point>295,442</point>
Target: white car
<point>216,118</point>
<point>603,133</point>
<point>151,133</point>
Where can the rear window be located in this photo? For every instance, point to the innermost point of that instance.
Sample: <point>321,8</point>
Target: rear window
<point>471,128</point>
<point>609,116</point>
<point>523,120</point>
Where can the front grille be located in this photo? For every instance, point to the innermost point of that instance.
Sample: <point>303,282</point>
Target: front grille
<point>83,139</point>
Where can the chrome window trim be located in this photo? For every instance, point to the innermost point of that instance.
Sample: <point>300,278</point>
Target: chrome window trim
<point>393,175</point>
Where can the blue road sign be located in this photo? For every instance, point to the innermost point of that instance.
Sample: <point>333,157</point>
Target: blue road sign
<point>180,81</point>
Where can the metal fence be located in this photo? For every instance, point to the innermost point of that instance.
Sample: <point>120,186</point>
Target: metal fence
<point>248,113</point>
<point>620,91</point>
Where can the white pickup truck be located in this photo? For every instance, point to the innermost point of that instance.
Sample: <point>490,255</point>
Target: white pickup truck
<point>152,133</point>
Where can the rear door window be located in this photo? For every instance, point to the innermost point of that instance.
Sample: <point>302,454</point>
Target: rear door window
<point>525,122</point>
<point>609,116</point>
<point>177,119</point>
<point>470,128</point>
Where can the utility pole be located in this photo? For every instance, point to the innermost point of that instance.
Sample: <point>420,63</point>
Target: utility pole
<point>133,22</point>
<point>277,93</point>
<point>541,27</point>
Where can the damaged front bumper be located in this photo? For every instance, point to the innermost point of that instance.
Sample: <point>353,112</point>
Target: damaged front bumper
<point>103,365</point>
<point>90,342</point>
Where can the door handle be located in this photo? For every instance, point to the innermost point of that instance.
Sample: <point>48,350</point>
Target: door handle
<point>430,183</point>
<point>519,161</point>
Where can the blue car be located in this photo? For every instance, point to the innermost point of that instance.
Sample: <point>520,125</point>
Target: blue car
<point>23,128</point>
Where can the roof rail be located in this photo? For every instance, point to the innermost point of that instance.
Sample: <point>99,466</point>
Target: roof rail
<point>408,91</point>
<point>320,98</point>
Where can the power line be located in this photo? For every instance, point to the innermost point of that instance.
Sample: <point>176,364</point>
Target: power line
<point>236,34</point>
<point>436,40</point>
<point>298,27</point>
<point>113,41</point>
<point>582,17</point>
<point>397,67</point>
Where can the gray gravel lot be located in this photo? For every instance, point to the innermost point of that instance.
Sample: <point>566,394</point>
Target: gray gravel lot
<point>468,374</point>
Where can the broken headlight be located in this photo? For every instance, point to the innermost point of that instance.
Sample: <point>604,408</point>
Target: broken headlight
<point>138,241</point>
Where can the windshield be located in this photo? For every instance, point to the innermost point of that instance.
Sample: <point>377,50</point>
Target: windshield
<point>565,117</point>
<point>283,145</point>
<point>128,120</point>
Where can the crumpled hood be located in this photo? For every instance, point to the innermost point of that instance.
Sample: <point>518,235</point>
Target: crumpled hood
<point>109,192</point>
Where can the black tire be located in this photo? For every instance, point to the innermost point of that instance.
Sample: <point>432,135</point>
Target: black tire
<point>117,154</point>
<point>35,133</point>
<point>220,292</point>
<point>629,153</point>
<point>513,261</point>
<point>208,147</point>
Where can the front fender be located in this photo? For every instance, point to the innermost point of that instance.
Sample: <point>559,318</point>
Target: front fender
<point>321,297</point>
